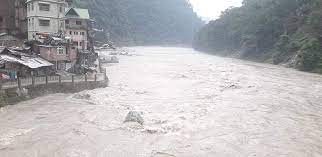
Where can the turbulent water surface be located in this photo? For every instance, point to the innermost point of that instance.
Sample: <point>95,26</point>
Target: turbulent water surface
<point>193,105</point>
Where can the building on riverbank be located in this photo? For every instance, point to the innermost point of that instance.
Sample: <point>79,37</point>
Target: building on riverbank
<point>61,54</point>
<point>77,26</point>
<point>15,64</point>
<point>57,33</point>
<point>45,17</point>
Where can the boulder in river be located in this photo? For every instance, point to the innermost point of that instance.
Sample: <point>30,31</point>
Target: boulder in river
<point>134,116</point>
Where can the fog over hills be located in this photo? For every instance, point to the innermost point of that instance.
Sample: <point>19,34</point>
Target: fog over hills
<point>141,22</point>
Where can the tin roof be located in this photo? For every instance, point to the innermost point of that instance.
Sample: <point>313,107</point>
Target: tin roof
<point>77,13</point>
<point>31,62</point>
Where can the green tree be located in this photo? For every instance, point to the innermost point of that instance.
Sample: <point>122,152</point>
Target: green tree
<point>275,30</point>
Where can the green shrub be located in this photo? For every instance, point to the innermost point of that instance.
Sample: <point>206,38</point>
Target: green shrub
<point>3,99</point>
<point>310,58</point>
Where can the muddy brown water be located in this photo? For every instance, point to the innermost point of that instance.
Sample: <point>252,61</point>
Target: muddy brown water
<point>193,105</point>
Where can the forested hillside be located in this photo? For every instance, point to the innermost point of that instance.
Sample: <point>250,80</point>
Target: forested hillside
<point>277,31</point>
<point>144,22</point>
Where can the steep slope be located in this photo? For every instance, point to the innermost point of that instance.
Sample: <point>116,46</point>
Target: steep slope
<point>142,22</point>
<point>276,31</point>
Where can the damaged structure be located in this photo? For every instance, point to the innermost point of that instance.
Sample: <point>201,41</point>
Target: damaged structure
<point>15,63</point>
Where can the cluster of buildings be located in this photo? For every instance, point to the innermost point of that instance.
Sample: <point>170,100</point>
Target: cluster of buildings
<point>50,33</point>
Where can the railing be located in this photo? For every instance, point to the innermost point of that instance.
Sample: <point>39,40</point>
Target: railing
<point>34,81</point>
<point>73,26</point>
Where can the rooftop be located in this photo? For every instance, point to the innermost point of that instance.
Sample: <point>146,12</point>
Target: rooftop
<point>50,1</point>
<point>12,56</point>
<point>31,62</point>
<point>77,13</point>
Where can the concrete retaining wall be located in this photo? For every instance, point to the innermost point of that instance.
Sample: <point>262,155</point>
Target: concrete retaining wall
<point>15,95</point>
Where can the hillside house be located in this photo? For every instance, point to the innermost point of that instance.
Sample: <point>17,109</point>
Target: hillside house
<point>59,52</point>
<point>77,26</point>
<point>14,63</point>
<point>45,17</point>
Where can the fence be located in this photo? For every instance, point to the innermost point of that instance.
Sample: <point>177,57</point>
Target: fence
<point>34,81</point>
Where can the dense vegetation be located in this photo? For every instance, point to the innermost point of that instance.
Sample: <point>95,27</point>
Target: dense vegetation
<point>277,31</point>
<point>142,22</point>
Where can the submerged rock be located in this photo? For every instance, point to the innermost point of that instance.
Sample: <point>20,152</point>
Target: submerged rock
<point>134,116</point>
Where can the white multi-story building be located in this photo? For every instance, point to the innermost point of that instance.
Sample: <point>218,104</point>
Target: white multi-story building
<point>45,17</point>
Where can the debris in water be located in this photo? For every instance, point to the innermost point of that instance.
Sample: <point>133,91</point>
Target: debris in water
<point>233,86</point>
<point>82,96</point>
<point>151,130</point>
<point>7,139</point>
<point>141,92</point>
<point>161,154</point>
<point>183,76</point>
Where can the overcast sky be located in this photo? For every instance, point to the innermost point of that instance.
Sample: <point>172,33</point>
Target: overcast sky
<point>211,9</point>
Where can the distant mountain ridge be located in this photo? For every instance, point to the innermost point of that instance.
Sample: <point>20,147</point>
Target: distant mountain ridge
<point>144,22</point>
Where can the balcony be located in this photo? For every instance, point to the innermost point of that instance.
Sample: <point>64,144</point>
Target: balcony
<point>68,26</point>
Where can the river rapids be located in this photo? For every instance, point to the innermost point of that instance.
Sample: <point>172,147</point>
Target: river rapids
<point>193,105</point>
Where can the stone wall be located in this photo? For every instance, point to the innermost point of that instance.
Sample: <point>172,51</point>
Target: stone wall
<point>14,95</point>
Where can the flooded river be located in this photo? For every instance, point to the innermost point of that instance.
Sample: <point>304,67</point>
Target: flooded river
<point>193,105</point>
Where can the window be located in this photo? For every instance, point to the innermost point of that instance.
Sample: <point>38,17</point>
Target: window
<point>44,7</point>
<point>60,9</point>
<point>1,19</point>
<point>71,32</point>
<point>62,24</point>
<point>83,33</point>
<point>29,22</point>
<point>67,22</point>
<point>75,33</point>
<point>44,23</point>
<point>60,50</point>
<point>32,22</point>
<point>32,6</point>
<point>78,22</point>
<point>28,7</point>
<point>75,43</point>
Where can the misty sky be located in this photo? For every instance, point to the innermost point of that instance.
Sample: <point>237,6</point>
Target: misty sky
<point>211,9</point>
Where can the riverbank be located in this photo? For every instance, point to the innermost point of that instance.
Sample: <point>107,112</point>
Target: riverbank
<point>15,95</point>
<point>266,58</point>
